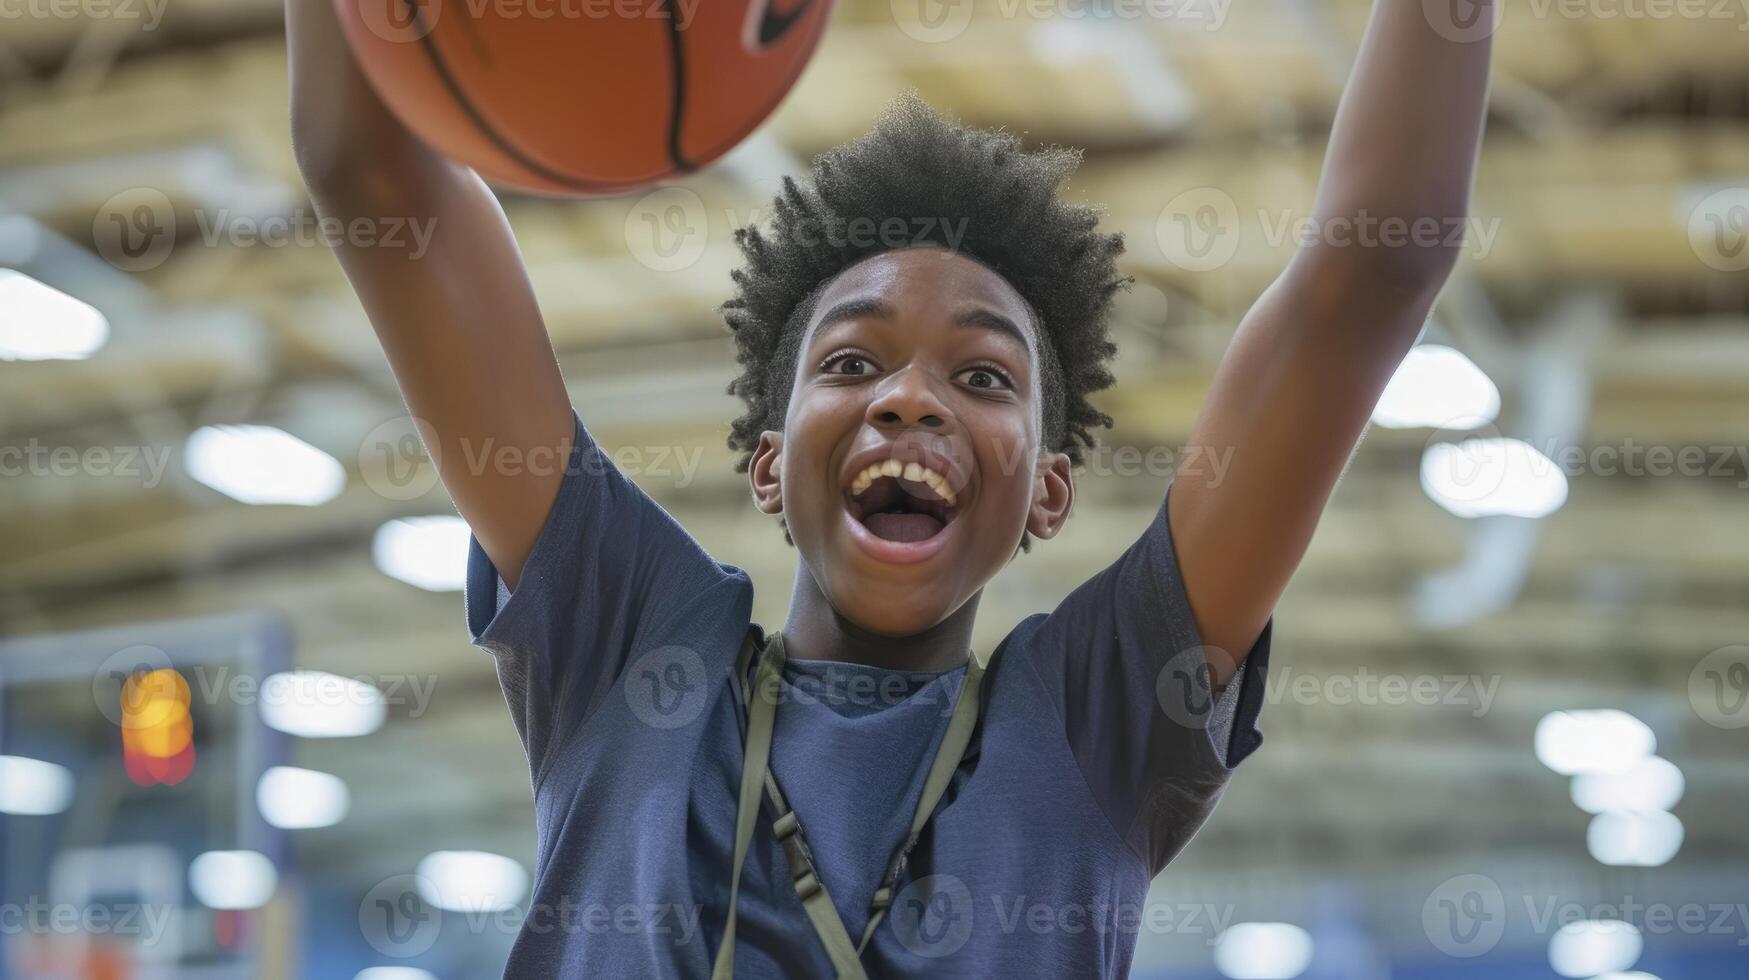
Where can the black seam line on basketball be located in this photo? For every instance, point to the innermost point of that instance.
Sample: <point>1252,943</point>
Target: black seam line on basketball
<point>773,27</point>
<point>438,65</point>
<point>677,110</point>
<point>474,41</point>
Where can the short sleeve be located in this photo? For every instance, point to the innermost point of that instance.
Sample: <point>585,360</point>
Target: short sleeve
<point>1125,664</point>
<point>612,574</point>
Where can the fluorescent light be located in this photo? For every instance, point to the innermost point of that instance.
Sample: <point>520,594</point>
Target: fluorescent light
<point>1655,784</point>
<point>1263,951</point>
<point>40,323</point>
<point>1604,740</point>
<point>232,879</point>
<point>393,973</point>
<point>259,464</point>
<point>32,787</point>
<point>315,704</point>
<point>1437,387</point>
<point>301,799</point>
<point>1595,741</point>
<point>1635,840</point>
<point>1492,477</point>
<point>471,881</point>
<point>1585,949</point>
<point>430,552</point>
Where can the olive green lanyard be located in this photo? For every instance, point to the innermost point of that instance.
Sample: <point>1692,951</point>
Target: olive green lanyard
<point>756,778</point>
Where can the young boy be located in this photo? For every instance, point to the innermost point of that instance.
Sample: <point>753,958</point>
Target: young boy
<point>913,414</point>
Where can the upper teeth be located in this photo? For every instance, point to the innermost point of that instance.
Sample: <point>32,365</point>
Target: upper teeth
<point>914,472</point>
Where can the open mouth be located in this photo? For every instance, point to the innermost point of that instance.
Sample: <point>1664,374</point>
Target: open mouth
<point>903,502</point>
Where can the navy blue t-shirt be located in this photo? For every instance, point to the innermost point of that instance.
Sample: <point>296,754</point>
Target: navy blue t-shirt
<point>1098,754</point>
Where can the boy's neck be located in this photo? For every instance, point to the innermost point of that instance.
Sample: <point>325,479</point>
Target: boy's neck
<point>815,631</point>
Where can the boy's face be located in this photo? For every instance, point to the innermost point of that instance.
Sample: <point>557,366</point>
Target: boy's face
<point>913,358</point>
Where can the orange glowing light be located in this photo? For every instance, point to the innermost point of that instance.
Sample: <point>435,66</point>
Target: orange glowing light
<point>157,730</point>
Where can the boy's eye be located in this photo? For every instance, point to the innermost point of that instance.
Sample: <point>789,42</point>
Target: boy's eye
<point>984,378</point>
<point>848,364</point>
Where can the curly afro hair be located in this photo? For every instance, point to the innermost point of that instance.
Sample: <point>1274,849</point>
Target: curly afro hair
<point>973,190</point>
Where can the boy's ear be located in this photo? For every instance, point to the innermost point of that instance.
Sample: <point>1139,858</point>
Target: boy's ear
<point>765,473</point>
<point>1053,493</point>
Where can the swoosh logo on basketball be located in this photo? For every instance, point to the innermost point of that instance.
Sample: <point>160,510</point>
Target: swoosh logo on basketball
<point>773,25</point>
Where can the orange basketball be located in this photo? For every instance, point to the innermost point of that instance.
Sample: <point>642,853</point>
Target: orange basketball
<point>582,96</point>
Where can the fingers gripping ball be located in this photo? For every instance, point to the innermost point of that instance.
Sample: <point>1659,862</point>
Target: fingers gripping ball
<point>579,97</point>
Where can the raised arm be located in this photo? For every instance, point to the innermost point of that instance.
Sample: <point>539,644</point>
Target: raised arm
<point>458,322</point>
<point>1295,390</point>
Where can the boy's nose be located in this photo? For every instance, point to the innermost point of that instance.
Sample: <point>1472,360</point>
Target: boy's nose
<point>908,400</point>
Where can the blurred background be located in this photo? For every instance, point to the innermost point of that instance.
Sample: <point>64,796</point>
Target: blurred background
<point>243,734</point>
